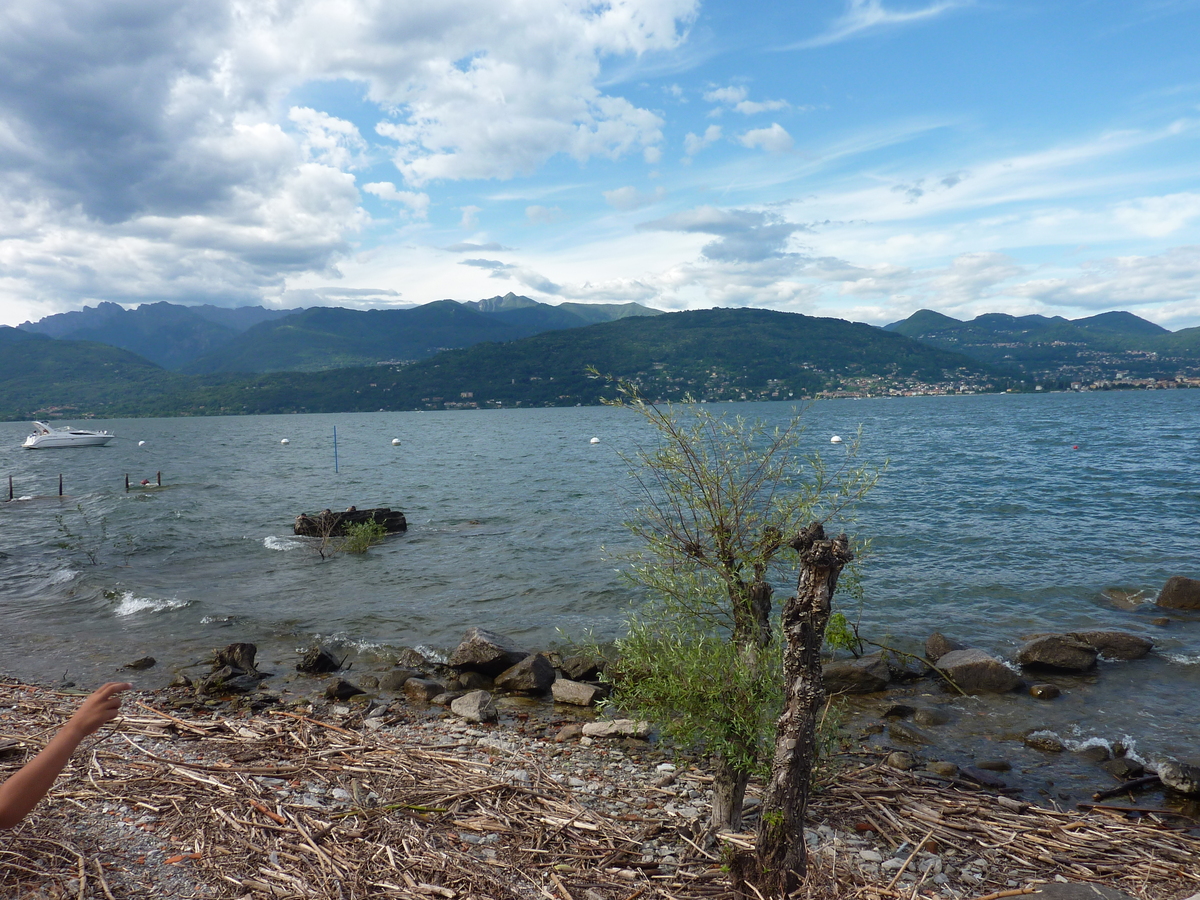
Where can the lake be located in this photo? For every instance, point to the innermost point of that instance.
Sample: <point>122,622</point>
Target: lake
<point>997,516</point>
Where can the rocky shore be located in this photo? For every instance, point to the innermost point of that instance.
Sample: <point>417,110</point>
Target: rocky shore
<point>491,775</point>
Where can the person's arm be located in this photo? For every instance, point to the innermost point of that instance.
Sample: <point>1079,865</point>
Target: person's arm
<point>21,792</point>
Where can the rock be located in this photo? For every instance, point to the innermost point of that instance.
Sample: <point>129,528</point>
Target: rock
<point>905,667</point>
<point>898,759</point>
<point>486,651</point>
<point>994,765</point>
<point>227,680</point>
<point>1179,776</point>
<point>475,681</point>
<point>617,728</point>
<point>1116,644</point>
<point>1076,890</point>
<point>928,715</point>
<point>1044,691</point>
<point>1161,621</point>
<point>1123,768</point>
<point>340,689</point>
<point>583,667</point>
<point>938,645</point>
<point>574,692</point>
<point>911,734</point>
<point>146,662</point>
<point>977,672</point>
<point>1096,754</point>
<point>236,656</point>
<point>368,683</point>
<point>1180,593</point>
<point>897,711</point>
<point>446,698</point>
<point>394,679</point>
<point>422,690</point>
<point>1057,651</point>
<point>408,658</point>
<point>569,732</point>
<point>477,706</point>
<point>532,675</point>
<point>318,661</point>
<point>180,680</point>
<point>856,676</point>
<point>979,776</point>
<point>943,768</point>
<point>1046,741</point>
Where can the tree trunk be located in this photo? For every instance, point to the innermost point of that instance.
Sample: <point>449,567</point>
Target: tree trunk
<point>729,791</point>
<point>781,860</point>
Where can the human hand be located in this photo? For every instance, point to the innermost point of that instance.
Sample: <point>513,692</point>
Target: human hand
<point>102,705</point>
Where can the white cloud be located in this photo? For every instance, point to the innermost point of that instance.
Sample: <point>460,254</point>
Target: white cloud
<point>726,95</point>
<point>470,216</point>
<point>628,198</point>
<point>751,107</point>
<point>150,151</point>
<point>542,215</point>
<point>693,144</point>
<point>1158,216</point>
<point>385,190</point>
<point>775,139</point>
<point>743,235</point>
<point>652,155</point>
<point>863,16</point>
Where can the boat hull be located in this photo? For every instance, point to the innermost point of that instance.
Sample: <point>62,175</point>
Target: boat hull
<point>57,440</point>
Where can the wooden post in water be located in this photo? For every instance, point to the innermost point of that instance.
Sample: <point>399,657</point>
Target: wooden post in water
<point>60,484</point>
<point>158,477</point>
<point>127,482</point>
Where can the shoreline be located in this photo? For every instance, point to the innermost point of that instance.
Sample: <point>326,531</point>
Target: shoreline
<point>230,802</point>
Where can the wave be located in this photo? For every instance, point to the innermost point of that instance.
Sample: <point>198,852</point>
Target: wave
<point>61,576</point>
<point>1128,743</point>
<point>131,605</point>
<point>1184,659</point>
<point>273,542</point>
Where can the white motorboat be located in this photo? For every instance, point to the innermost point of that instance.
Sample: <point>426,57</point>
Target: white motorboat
<point>44,436</point>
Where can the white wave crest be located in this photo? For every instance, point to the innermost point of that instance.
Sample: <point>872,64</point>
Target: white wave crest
<point>273,542</point>
<point>62,576</point>
<point>131,605</point>
<point>1184,659</point>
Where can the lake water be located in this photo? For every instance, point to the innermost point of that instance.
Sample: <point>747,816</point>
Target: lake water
<point>988,525</point>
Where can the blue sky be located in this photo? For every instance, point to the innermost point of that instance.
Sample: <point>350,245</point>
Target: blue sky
<point>853,158</point>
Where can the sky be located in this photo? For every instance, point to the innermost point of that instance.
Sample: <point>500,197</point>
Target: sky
<point>854,158</point>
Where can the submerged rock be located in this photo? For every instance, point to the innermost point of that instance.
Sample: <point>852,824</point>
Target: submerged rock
<point>1057,651</point>
<point>1123,768</point>
<point>903,731</point>
<point>1046,741</point>
<point>146,662</point>
<point>1044,691</point>
<point>978,672</point>
<point>318,661</point>
<point>1116,644</point>
<point>485,651</point>
<point>1180,593</point>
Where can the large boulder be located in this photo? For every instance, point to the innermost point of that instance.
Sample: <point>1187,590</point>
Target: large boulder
<point>476,706</point>
<point>938,645</point>
<point>978,672</point>
<point>239,657</point>
<point>856,676</point>
<point>1180,593</point>
<point>532,675</point>
<point>318,661</point>
<point>486,652</point>
<point>1116,644</point>
<point>1180,776</point>
<point>1057,651</point>
<point>582,667</point>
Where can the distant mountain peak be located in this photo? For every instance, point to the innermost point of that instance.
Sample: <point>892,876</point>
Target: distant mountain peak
<point>508,301</point>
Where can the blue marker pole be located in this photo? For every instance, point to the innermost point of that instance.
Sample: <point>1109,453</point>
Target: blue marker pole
<point>335,464</point>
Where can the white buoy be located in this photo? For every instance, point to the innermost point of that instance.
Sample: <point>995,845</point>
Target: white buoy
<point>594,441</point>
<point>141,443</point>
<point>395,442</point>
<point>836,439</point>
<point>285,441</point>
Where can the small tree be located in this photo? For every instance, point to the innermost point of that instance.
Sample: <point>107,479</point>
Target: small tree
<point>720,500</point>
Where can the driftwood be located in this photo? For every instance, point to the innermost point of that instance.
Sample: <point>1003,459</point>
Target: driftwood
<point>330,524</point>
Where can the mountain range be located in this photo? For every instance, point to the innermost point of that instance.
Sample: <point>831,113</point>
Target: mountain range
<point>1096,348</point>
<point>209,339</point>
